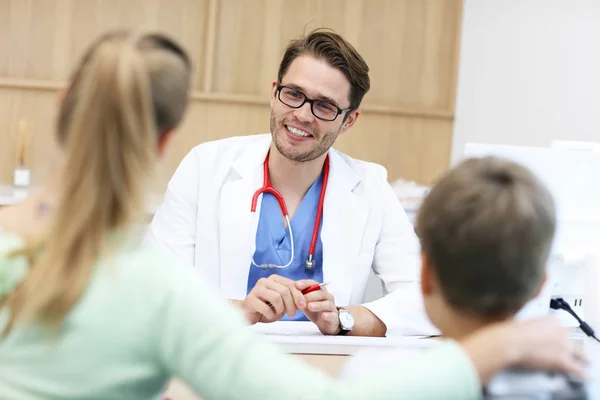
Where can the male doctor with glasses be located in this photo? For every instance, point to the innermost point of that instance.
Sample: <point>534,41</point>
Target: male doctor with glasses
<point>319,215</point>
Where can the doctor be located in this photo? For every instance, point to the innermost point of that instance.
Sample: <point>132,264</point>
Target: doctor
<point>320,216</point>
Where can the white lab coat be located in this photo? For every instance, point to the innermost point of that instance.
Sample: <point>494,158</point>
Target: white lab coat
<point>205,219</point>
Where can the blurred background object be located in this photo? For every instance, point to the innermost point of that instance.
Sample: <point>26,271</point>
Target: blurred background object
<point>410,194</point>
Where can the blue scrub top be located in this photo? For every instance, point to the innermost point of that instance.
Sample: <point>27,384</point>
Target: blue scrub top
<point>273,242</point>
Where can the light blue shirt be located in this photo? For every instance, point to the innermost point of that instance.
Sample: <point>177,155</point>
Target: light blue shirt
<point>273,245</point>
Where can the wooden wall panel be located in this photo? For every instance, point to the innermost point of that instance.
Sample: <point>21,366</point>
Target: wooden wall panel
<point>401,144</point>
<point>45,38</point>
<point>236,45</point>
<point>420,52</point>
<point>253,35</point>
<point>39,109</point>
<point>410,45</point>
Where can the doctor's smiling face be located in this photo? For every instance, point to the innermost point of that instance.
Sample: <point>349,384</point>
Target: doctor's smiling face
<point>320,85</point>
<point>302,134</point>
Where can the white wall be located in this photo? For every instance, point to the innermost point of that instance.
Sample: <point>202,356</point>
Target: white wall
<point>529,72</point>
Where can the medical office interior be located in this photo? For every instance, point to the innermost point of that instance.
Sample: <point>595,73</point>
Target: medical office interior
<point>449,79</point>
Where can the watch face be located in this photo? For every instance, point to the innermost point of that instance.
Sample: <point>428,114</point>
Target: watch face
<point>346,320</point>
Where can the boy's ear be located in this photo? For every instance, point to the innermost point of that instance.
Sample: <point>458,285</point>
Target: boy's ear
<point>427,279</point>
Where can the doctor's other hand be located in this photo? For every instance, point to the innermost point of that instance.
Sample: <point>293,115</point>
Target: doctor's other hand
<point>271,298</point>
<point>320,308</point>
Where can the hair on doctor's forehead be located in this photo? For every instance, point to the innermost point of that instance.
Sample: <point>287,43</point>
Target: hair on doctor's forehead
<point>487,228</point>
<point>325,44</point>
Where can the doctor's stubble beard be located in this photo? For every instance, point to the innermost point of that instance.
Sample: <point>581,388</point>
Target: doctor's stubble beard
<point>322,146</point>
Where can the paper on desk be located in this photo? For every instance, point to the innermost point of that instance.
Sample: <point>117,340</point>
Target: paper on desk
<point>302,337</point>
<point>288,328</point>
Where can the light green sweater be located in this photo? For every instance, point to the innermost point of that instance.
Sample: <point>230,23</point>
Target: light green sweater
<point>145,318</point>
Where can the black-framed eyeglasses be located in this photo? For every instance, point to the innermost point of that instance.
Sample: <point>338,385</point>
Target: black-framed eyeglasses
<point>321,109</point>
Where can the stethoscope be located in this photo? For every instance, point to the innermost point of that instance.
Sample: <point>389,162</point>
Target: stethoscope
<point>268,188</point>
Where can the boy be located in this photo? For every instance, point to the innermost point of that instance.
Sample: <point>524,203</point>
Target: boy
<point>486,230</point>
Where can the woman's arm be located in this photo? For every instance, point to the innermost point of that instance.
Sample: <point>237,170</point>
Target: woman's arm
<point>541,344</point>
<point>204,341</point>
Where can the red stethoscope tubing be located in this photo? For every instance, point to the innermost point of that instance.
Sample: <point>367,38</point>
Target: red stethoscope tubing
<point>268,188</point>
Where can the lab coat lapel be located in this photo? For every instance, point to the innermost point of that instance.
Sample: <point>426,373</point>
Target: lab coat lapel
<point>344,217</point>
<point>237,229</point>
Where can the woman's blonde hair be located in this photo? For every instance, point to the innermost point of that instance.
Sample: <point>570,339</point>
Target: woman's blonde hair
<point>127,92</point>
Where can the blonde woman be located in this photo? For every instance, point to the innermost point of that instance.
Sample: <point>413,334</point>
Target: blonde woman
<point>87,312</point>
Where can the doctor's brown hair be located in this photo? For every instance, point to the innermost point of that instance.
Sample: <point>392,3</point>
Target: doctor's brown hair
<point>127,92</point>
<point>487,228</point>
<point>324,44</point>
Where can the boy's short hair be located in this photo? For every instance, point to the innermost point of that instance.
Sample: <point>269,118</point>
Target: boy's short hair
<point>487,228</point>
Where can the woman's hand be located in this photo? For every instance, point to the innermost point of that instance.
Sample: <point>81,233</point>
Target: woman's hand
<point>541,344</point>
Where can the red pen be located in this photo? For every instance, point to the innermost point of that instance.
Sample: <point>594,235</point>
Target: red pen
<point>314,288</point>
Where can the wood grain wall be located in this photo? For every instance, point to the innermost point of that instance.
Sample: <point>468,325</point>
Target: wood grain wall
<point>411,47</point>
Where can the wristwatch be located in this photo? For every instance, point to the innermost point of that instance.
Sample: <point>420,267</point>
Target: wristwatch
<point>346,321</point>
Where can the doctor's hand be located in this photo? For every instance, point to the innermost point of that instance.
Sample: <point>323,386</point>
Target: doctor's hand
<point>272,298</point>
<point>320,309</point>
